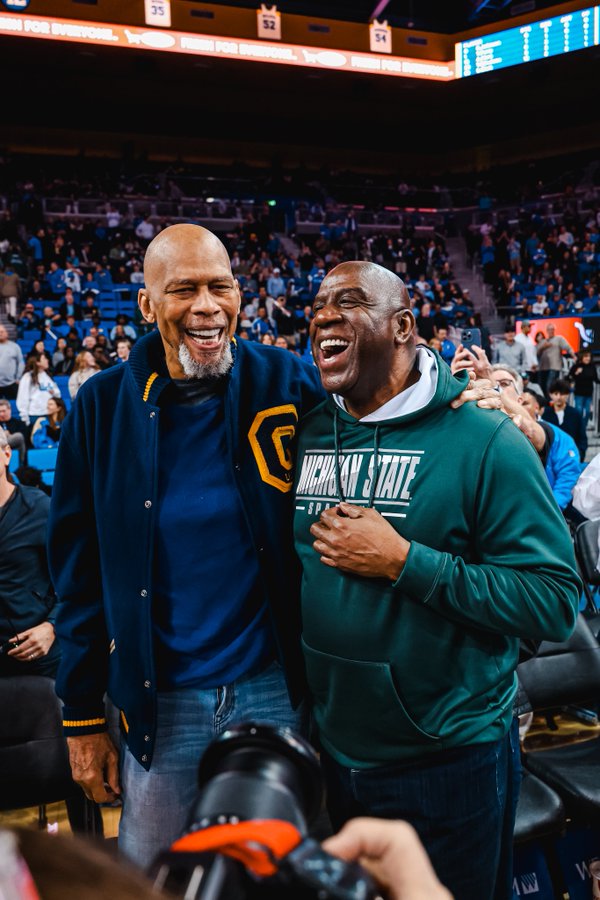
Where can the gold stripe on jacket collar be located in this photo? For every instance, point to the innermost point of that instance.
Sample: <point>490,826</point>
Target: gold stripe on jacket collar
<point>149,384</point>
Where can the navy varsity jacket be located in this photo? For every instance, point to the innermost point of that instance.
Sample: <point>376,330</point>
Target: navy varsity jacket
<point>102,519</point>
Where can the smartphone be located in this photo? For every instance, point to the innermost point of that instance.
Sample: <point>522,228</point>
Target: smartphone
<point>470,337</point>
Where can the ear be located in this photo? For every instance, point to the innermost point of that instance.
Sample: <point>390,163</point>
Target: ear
<point>239,293</point>
<point>146,306</point>
<point>404,326</point>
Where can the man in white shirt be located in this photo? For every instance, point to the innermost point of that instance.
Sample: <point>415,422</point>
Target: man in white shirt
<point>523,338</point>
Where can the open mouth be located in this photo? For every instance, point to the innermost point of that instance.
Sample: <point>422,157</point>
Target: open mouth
<point>205,338</point>
<point>332,350</point>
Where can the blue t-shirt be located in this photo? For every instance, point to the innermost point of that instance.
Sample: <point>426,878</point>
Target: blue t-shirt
<point>211,621</point>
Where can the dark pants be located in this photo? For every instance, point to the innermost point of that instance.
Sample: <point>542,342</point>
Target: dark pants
<point>547,377</point>
<point>462,803</point>
<point>9,391</point>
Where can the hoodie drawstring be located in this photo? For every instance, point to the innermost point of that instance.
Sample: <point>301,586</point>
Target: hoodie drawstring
<point>338,467</point>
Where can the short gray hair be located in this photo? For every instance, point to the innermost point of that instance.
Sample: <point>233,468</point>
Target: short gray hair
<point>3,439</point>
<point>500,367</point>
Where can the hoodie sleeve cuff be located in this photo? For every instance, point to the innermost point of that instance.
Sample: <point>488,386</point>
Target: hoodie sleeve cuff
<point>421,573</point>
<point>79,720</point>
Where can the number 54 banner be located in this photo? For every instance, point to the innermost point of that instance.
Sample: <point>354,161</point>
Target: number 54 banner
<point>268,22</point>
<point>380,37</point>
<point>158,12</point>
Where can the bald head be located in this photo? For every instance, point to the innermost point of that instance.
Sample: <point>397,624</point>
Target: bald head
<point>169,245</point>
<point>382,283</point>
<point>192,296</point>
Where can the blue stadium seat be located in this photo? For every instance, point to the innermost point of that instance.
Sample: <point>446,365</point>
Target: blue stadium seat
<point>45,460</point>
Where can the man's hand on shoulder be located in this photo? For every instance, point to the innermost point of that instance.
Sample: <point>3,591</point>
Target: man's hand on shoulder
<point>95,766</point>
<point>359,540</point>
<point>482,392</point>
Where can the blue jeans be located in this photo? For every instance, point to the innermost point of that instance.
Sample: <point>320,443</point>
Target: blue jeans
<point>462,803</point>
<point>156,804</point>
<point>583,405</point>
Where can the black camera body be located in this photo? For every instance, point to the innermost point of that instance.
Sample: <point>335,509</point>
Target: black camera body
<point>247,837</point>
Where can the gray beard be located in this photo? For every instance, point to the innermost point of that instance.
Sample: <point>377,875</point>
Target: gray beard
<point>216,369</point>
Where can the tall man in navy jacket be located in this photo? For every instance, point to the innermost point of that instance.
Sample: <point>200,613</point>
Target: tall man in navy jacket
<point>170,543</point>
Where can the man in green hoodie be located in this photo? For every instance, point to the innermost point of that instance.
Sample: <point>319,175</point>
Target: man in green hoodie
<point>422,568</point>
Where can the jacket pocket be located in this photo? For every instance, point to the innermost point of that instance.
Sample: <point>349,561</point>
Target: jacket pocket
<point>359,710</point>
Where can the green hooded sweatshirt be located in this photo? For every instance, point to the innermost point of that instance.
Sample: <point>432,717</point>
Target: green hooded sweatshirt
<point>398,670</point>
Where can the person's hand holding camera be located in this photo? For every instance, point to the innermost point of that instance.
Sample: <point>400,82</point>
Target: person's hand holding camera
<point>394,856</point>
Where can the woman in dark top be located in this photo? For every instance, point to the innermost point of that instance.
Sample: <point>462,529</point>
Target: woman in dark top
<point>584,375</point>
<point>26,597</point>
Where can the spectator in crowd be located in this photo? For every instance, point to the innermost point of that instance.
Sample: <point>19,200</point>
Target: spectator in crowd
<point>34,389</point>
<point>275,283</point>
<point>69,307</point>
<point>123,329</point>
<point>122,349</point>
<point>584,375</point>
<point>14,430</point>
<point>175,653</point>
<point>586,493</point>
<point>285,320</point>
<point>10,291</point>
<point>59,353</point>
<point>28,320</point>
<point>67,364</point>
<point>145,230</point>
<point>471,571</point>
<point>46,431</point>
<point>267,339</point>
<point>510,352</point>
<point>26,597</point>
<point>263,324</point>
<point>566,417</point>
<point>448,349</point>
<point>56,279</point>
<point>524,339</point>
<point>89,309</point>
<point>85,366</point>
<point>549,353</point>
<point>11,365</point>
<point>562,456</point>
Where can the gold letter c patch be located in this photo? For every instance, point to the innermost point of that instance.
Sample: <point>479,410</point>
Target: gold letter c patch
<point>270,442</point>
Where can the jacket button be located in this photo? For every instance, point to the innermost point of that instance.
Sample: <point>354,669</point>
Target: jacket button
<point>152,415</point>
<point>146,737</point>
<point>148,504</point>
<point>143,592</point>
<point>144,758</point>
<point>146,684</point>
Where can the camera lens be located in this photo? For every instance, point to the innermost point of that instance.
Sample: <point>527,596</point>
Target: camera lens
<point>259,772</point>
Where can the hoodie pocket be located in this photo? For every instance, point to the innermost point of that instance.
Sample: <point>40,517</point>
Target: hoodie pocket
<point>358,708</point>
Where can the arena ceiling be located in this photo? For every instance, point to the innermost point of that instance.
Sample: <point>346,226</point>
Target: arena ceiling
<point>444,16</point>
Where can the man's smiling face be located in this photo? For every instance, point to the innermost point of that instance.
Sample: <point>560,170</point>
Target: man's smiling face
<point>194,299</point>
<point>355,329</point>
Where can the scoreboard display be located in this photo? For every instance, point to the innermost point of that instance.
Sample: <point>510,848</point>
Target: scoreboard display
<point>572,31</point>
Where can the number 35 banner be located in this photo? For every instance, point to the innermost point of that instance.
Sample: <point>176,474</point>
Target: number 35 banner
<point>158,12</point>
<point>268,22</point>
<point>380,37</point>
